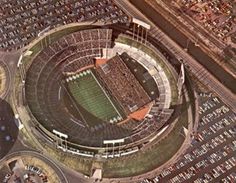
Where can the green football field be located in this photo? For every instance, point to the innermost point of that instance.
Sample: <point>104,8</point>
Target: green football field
<point>92,100</point>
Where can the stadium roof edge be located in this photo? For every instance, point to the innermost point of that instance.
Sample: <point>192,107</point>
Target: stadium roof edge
<point>140,22</point>
<point>60,134</point>
<point>113,141</point>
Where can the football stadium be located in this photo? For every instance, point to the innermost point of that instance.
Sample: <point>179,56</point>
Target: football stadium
<point>98,92</point>
<point>123,91</point>
<point>97,95</point>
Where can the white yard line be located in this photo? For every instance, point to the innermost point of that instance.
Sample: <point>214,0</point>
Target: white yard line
<point>74,104</point>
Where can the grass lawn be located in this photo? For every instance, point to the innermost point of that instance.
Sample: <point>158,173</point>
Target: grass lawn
<point>80,164</point>
<point>90,96</point>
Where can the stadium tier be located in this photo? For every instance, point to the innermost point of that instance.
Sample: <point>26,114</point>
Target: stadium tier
<point>123,84</point>
<point>66,90</point>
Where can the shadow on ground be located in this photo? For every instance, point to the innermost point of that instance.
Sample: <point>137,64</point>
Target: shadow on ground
<point>8,129</point>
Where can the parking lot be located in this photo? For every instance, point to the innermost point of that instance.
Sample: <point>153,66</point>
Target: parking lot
<point>30,167</point>
<point>22,21</point>
<point>211,155</point>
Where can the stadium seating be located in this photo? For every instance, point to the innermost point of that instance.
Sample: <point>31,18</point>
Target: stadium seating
<point>45,78</point>
<point>68,54</point>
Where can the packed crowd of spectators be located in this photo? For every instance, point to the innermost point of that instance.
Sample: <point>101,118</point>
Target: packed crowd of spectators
<point>218,16</point>
<point>22,21</point>
<point>123,84</point>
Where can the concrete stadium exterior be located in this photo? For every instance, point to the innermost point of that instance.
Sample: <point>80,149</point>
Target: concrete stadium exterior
<point>160,112</point>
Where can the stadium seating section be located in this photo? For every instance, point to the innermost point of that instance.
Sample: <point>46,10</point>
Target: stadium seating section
<point>68,55</point>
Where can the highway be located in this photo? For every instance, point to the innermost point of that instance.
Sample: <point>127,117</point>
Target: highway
<point>183,40</point>
<point>193,65</point>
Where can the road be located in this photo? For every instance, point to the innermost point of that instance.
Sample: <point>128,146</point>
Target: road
<point>44,158</point>
<point>7,60</point>
<point>6,75</point>
<point>206,77</point>
<point>176,35</point>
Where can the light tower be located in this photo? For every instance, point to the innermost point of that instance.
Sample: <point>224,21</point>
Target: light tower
<point>140,25</point>
<point>181,79</point>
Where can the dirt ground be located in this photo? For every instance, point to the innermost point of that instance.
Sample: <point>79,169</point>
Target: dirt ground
<point>141,113</point>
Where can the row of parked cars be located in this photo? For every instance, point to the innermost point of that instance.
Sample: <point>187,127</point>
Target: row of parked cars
<point>212,149</point>
<point>37,171</point>
<point>23,20</point>
<point>7,177</point>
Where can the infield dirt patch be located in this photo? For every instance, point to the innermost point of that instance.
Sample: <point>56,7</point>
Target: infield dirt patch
<point>141,113</point>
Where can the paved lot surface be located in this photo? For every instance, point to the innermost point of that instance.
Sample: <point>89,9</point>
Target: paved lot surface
<point>22,21</point>
<point>35,159</point>
<point>211,156</point>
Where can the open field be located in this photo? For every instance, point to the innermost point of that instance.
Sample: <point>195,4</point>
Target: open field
<point>89,94</point>
<point>77,163</point>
